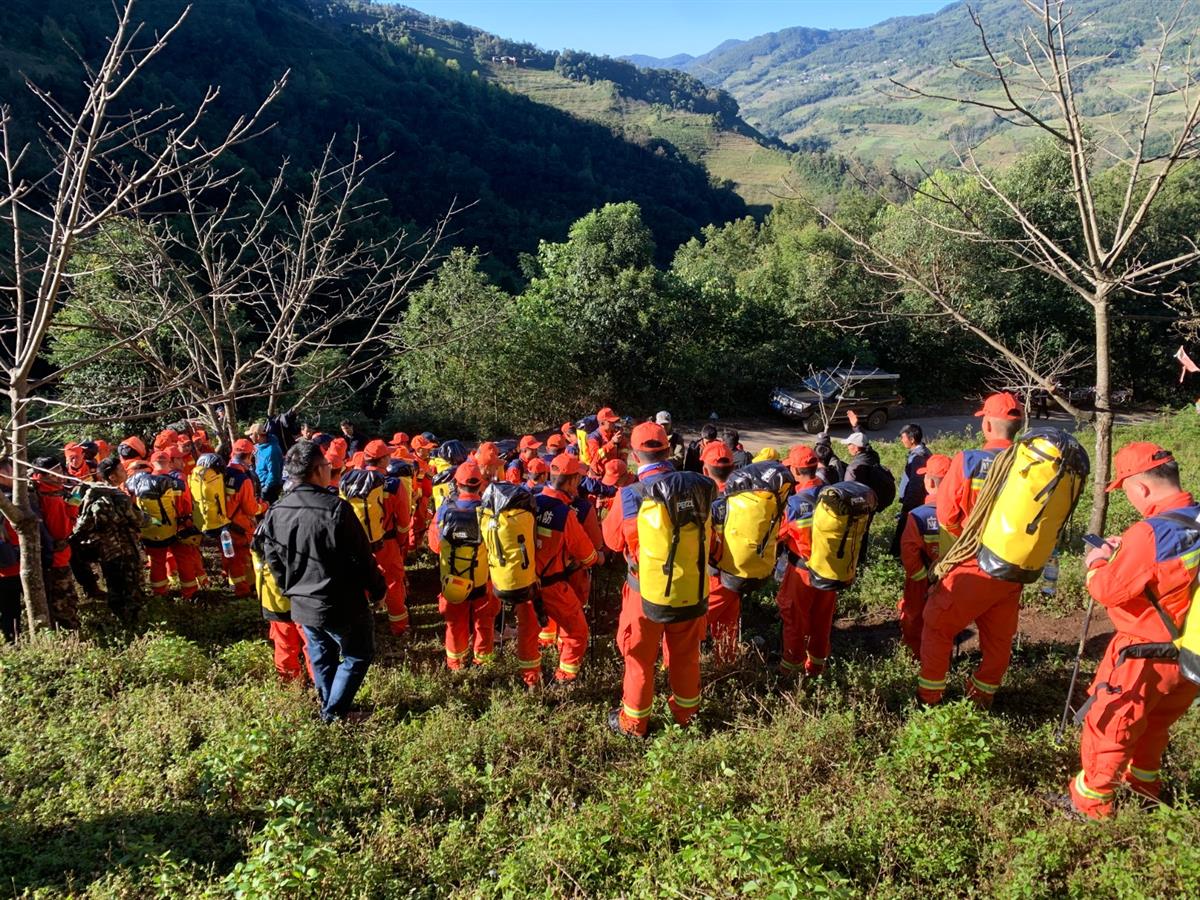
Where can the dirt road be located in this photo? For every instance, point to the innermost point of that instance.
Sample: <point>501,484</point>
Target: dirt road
<point>776,431</point>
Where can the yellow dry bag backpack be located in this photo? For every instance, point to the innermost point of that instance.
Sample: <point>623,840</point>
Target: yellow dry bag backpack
<point>749,515</point>
<point>207,484</point>
<point>1030,494</point>
<point>583,428</point>
<point>674,533</point>
<point>462,559</point>
<point>276,606</point>
<point>443,487</point>
<point>156,496</point>
<point>507,521</point>
<point>840,521</point>
<point>365,490</point>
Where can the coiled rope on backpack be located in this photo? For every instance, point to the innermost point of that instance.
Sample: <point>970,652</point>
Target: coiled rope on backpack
<point>966,547</point>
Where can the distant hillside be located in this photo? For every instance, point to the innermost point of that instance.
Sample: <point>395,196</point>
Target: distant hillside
<point>660,109</point>
<point>830,88</point>
<point>530,169</point>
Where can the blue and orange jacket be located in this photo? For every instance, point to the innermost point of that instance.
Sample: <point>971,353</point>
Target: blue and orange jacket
<point>919,547</point>
<point>561,544</point>
<point>796,531</point>
<point>959,490</point>
<point>1156,554</point>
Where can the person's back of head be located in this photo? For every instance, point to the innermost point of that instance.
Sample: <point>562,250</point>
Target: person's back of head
<point>730,437</point>
<point>708,432</point>
<point>304,463</point>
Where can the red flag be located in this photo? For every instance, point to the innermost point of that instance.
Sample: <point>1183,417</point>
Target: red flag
<point>1185,361</point>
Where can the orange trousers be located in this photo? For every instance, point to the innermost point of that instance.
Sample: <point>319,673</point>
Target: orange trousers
<point>477,616</point>
<point>580,582</point>
<point>291,651</point>
<point>238,569</point>
<point>638,640</point>
<point>529,654</point>
<point>807,615</point>
<point>564,608</point>
<point>724,617</point>
<point>964,596</point>
<point>390,560</point>
<point>183,559</point>
<point>1130,710</point>
<point>912,613</point>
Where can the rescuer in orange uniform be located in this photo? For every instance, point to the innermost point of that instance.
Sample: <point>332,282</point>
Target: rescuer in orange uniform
<point>561,545</point>
<point>724,603</point>
<point>419,503</point>
<point>131,450</point>
<point>243,508</point>
<point>1134,700</point>
<point>639,637</point>
<point>806,612</point>
<point>967,594</point>
<point>172,553</point>
<point>527,450</point>
<point>397,523</point>
<point>478,612</point>
<point>606,442</point>
<point>919,551</point>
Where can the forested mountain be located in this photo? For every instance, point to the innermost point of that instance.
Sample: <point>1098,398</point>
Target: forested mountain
<point>531,168</point>
<point>668,111</point>
<point>831,88</point>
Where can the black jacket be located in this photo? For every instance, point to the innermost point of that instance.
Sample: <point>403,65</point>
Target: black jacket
<point>320,557</point>
<point>865,468</point>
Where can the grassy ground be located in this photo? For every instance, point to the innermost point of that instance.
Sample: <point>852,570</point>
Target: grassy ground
<point>171,763</point>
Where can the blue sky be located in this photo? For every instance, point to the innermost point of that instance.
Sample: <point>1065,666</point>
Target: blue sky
<point>660,27</point>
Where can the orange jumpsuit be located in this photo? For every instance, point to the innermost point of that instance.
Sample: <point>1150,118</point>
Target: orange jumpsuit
<point>639,637</point>
<point>724,614</point>
<point>389,551</point>
<point>919,552</point>
<point>477,614</point>
<point>242,506</point>
<point>604,445</point>
<point>419,505</point>
<point>967,594</point>
<point>1133,703</point>
<point>807,612</point>
<point>561,544</point>
<point>173,555</point>
<point>580,577</point>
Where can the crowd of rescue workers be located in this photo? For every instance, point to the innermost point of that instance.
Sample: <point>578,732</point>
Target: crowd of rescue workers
<point>320,526</point>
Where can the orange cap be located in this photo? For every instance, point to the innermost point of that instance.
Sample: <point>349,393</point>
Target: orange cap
<point>402,452</point>
<point>937,465</point>
<point>529,442</point>
<point>565,464</point>
<point>556,443</point>
<point>376,449</point>
<point>165,437</point>
<point>420,442</point>
<point>650,436</point>
<point>537,466</point>
<point>1001,406</point>
<point>335,454</point>
<point>486,454</point>
<point>160,458</point>
<point>614,470</point>
<point>1136,458</point>
<point>606,414</point>
<point>399,439</point>
<point>715,453</point>
<point>243,445</point>
<point>801,456</point>
<point>567,428</point>
<point>135,443</point>
<point>468,475</point>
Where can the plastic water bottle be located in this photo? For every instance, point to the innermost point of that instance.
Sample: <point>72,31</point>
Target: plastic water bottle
<point>1050,576</point>
<point>226,543</point>
<point>781,565</point>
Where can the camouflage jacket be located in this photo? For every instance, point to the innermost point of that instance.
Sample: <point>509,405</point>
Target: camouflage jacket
<point>109,522</point>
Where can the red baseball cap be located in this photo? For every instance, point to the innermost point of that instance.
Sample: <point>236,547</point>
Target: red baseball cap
<point>1001,406</point>
<point>420,442</point>
<point>487,454</point>
<point>1136,458</point>
<point>606,414</point>
<point>160,458</point>
<point>468,475</point>
<point>937,465</point>
<point>399,439</point>
<point>567,428</point>
<point>556,442</point>
<point>565,464</point>
<point>529,442</point>
<point>376,449</point>
<point>241,445</point>
<point>614,469</point>
<point>537,466</point>
<point>166,436</point>
<point>335,454</point>
<point>801,456</point>
<point>650,436</point>
<point>716,453</point>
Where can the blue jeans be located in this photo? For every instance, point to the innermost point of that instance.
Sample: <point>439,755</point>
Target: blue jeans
<point>340,659</point>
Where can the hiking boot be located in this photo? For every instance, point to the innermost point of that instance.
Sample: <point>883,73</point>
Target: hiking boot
<point>614,725</point>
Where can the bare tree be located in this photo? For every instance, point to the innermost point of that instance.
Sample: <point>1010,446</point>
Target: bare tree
<point>273,284</point>
<point>96,162</point>
<point>1043,354</point>
<point>1036,86</point>
<point>842,380</point>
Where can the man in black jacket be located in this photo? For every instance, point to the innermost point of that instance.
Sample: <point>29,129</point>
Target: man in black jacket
<point>322,561</point>
<point>912,485</point>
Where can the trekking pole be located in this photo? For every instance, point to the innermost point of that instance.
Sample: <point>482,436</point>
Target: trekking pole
<point>1087,621</point>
